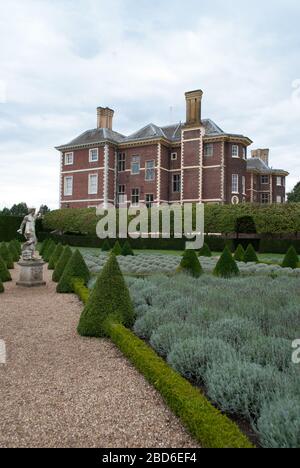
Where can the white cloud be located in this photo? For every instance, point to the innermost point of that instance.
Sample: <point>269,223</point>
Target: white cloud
<point>62,59</point>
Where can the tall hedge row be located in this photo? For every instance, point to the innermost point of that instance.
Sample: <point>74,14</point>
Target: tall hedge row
<point>8,227</point>
<point>275,219</point>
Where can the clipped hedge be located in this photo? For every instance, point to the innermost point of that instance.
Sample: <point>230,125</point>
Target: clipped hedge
<point>75,268</point>
<point>8,227</point>
<point>4,272</point>
<point>1,287</point>
<point>190,264</point>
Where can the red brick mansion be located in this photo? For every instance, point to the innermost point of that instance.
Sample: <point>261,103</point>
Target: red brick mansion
<point>194,161</point>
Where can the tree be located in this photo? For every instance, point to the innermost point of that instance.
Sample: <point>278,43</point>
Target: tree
<point>19,210</point>
<point>5,212</point>
<point>109,299</point>
<point>294,195</point>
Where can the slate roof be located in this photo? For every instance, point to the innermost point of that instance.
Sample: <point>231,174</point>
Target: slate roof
<point>256,164</point>
<point>149,132</point>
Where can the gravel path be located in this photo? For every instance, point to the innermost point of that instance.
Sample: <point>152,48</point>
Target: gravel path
<point>60,390</point>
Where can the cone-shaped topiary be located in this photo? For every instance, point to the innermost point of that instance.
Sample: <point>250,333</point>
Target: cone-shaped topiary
<point>226,266</point>
<point>1,287</point>
<point>55,257</point>
<point>127,250</point>
<point>4,273</point>
<point>250,255</point>
<point>44,246</point>
<point>13,251</point>
<point>291,259</point>
<point>61,264</point>
<point>6,256</point>
<point>205,251</point>
<point>49,251</point>
<point>239,254</point>
<point>110,298</point>
<point>17,246</point>
<point>75,268</point>
<point>117,249</point>
<point>105,246</point>
<point>190,263</point>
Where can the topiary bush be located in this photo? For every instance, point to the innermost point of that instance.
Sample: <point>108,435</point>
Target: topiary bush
<point>109,300</point>
<point>43,246</point>
<point>117,249</point>
<point>13,251</point>
<point>192,356</point>
<point>279,423</point>
<point>55,256</point>
<point>6,256</point>
<point>61,264</point>
<point>49,250</point>
<point>241,387</point>
<point>226,266</point>
<point>190,264</point>
<point>166,336</point>
<point>291,259</point>
<point>105,246</point>
<point>75,268</point>
<point>235,331</point>
<point>250,255</point>
<point>205,251</point>
<point>127,250</point>
<point>1,287</point>
<point>239,255</point>
<point>4,273</point>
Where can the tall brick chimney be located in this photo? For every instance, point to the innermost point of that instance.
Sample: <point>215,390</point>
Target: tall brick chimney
<point>193,107</point>
<point>262,154</point>
<point>104,117</point>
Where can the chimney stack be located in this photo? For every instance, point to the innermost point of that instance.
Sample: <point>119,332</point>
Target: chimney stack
<point>193,107</point>
<point>104,117</point>
<point>262,154</point>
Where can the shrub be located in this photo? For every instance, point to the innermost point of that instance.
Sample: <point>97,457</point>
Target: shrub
<point>192,356</point>
<point>205,251</point>
<point>117,249</point>
<point>55,257</point>
<point>61,264</point>
<point>110,298</point>
<point>190,264</point>
<point>226,266</point>
<point>4,273</point>
<point>151,320</point>
<point>9,226</point>
<point>127,250</point>
<point>13,251</point>
<point>241,388</point>
<point>17,246</point>
<point>6,256</point>
<point>44,246</point>
<point>245,225</point>
<point>166,336</point>
<point>75,268</point>
<point>49,250</point>
<point>266,350</point>
<point>105,246</point>
<point>291,259</point>
<point>235,331</point>
<point>279,423</point>
<point>239,255</point>
<point>1,287</point>
<point>250,255</point>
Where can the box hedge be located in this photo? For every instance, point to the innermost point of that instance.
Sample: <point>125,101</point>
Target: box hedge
<point>226,266</point>
<point>190,264</point>
<point>75,268</point>
<point>61,264</point>
<point>6,256</point>
<point>4,272</point>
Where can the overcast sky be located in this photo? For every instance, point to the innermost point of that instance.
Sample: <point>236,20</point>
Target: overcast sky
<point>60,59</point>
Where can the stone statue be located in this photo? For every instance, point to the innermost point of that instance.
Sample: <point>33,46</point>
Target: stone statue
<point>27,229</point>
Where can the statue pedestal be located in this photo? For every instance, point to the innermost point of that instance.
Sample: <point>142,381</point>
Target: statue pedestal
<point>31,274</point>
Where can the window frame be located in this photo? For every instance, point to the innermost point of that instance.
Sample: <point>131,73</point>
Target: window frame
<point>237,192</point>
<point>90,155</point>
<point>178,182</point>
<point>279,202</point>
<point>244,185</point>
<point>147,202</point>
<point>238,151</point>
<point>147,169</point>
<point>121,194</point>
<point>277,179</point>
<point>262,178</point>
<point>267,199</point>
<point>65,186</point>
<point>174,156</point>
<point>89,184</point>
<point>121,162</point>
<point>211,146</point>
<point>71,153</point>
<point>135,195</point>
<point>138,161</point>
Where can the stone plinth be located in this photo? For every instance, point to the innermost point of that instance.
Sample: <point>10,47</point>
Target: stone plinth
<point>31,274</point>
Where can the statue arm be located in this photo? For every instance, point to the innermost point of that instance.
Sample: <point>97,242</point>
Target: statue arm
<point>22,225</point>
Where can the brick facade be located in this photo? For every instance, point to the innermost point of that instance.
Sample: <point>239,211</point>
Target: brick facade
<point>195,162</point>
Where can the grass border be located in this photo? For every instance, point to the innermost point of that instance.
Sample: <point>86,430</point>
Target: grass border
<point>208,425</point>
